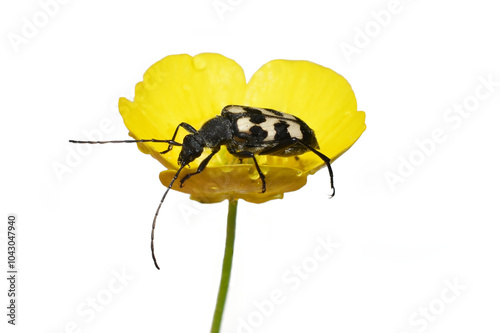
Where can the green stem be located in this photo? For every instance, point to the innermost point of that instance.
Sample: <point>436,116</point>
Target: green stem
<point>226,266</point>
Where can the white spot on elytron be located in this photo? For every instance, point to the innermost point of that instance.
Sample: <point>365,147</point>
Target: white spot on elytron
<point>244,124</point>
<point>281,114</point>
<point>294,129</point>
<point>235,109</point>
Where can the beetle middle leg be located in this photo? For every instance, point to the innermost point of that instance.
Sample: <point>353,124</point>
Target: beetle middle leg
<point>249,154</point>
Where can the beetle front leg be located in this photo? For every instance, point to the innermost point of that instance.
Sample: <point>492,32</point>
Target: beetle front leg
<point>187,127</point>
<point>249,154</point>
<point>201,167</point>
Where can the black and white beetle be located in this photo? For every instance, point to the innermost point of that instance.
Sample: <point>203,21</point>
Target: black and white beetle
<point>246,132</point>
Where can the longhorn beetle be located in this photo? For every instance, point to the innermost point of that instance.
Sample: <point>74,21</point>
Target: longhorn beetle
<point>246,132</point>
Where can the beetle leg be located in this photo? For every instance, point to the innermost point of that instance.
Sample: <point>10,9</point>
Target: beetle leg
<point>187,127</point>
<point>325,159</point>
<point>201,167</point>
<point>249,154</point>
<point>284,145</point>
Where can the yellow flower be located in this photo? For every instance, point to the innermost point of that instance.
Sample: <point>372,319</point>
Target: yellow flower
<point>181,88</point>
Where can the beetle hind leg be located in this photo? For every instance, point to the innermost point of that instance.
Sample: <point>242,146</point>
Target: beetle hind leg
<point>276,150</point>
<point>325,159</point>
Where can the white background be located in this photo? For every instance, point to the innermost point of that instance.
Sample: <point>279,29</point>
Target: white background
<point>401,246</point>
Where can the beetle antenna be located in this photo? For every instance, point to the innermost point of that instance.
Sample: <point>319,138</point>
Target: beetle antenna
<point>158,210</point>
<point>170,142</point>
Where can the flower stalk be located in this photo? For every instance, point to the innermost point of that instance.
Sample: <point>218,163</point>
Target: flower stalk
<point>226,266</point>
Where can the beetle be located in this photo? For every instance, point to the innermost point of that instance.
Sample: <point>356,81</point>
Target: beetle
<point>246,132</point>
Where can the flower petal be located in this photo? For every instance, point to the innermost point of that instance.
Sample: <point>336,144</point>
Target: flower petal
<point>317,95</point>
<point>241,181</point>
<point>180,88</point>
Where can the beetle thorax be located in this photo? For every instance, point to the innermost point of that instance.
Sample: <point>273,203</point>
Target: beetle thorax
<point>216,132</point>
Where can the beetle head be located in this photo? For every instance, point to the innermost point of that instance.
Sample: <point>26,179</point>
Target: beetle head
<point>192,147</point>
